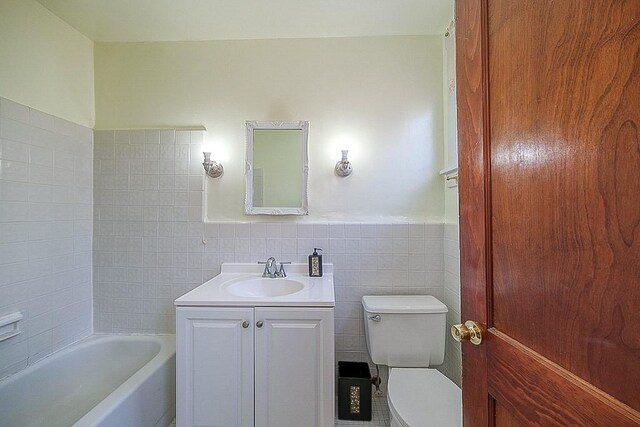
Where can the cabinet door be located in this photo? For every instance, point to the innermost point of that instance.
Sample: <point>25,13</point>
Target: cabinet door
<point>214,367</point>
<point>294,367</point>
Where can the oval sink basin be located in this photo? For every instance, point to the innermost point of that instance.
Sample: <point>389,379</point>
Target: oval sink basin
<point>264,288</point>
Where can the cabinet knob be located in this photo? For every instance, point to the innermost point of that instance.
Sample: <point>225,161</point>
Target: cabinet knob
<point>245,324</point>
<point>259,323</point>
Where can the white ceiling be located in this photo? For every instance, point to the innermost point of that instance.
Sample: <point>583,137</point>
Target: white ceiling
<point>185,20</point>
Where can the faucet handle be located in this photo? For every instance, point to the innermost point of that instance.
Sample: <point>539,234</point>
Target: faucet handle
<point>281,272</point>
<point>265,273</point>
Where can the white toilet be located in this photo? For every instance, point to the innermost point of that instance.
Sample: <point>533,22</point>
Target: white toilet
<point>407,333</point>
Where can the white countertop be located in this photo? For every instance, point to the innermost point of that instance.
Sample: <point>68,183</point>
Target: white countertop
<point>317,291</point>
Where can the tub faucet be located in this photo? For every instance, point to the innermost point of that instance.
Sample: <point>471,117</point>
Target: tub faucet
<point>270,267</point>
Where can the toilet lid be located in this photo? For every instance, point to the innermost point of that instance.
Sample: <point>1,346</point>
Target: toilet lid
<point>424,398</point>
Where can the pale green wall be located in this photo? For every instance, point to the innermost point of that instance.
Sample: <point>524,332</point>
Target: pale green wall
<point>44,63</point>
<point>450,132</point>
<point>378,97</point>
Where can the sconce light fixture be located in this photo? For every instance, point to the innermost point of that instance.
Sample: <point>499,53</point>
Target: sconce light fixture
<point>211,167</point>
<point>343,167</point>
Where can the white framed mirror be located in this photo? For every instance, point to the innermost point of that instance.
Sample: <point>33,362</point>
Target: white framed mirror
<point>277,168</point>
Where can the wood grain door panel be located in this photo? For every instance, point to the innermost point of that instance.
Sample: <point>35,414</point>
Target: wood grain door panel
<point>565,245</point>
<point>549,167</point>
<point>546,393</point>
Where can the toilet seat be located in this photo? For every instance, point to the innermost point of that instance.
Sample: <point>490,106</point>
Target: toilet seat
<point>420,397</point>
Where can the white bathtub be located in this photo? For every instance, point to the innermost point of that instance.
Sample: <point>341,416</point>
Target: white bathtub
<point>103,380</point>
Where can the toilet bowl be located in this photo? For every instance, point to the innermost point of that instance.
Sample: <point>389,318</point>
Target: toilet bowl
<point>407,333</point>
<point>423,397</point>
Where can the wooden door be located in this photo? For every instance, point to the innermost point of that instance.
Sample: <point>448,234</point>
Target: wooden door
<point>294,367</point>
<point>214,367</point>
<point>549,169</point>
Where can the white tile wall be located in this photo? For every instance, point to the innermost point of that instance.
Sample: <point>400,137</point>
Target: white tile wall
<point>46,226</point>
<point>453,358</point>
<point>148,245</point>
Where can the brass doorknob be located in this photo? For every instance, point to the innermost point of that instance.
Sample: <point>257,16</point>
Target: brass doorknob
<point>469,331</point>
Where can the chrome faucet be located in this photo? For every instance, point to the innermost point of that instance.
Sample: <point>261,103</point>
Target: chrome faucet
<point>270,268</point>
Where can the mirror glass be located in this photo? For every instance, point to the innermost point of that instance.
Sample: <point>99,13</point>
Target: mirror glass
<point>276,170</point>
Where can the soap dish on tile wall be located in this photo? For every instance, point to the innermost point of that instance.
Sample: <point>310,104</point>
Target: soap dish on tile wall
<point>9,325</point>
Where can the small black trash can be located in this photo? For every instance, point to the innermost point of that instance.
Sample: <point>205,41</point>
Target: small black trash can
<point>354,391</point>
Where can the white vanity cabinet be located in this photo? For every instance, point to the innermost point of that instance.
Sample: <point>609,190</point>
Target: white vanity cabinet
<point>255,366</point>
<point>214,366</point>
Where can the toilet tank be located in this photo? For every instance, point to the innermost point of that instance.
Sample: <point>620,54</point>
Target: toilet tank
<point>405,330</point>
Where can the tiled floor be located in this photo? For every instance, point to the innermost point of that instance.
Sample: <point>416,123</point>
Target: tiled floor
<point>379,416</point>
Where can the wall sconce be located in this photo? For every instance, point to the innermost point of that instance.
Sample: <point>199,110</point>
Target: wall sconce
<point>343,167</point>
<point>211,167</point>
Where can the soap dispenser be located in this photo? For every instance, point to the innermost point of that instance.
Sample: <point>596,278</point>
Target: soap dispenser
<point>315,263</point>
